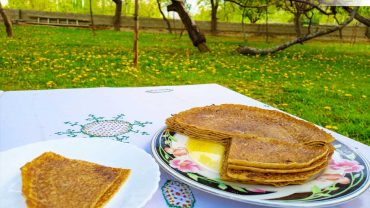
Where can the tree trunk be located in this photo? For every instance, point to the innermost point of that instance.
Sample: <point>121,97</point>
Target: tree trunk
<point>214,8</point>
<point>195,35</point>
<point>267,23</point>
<point>92,20</point>
<point>136,33</point>
<point>254,51</point>
<point>164,17</point>
<point>253,21</point>
<point>297,24</point>
<point>117,15</point>
<point>7,22</point>
<point>243,26</point>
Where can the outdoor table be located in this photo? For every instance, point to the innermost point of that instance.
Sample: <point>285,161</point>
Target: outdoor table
<point>38,115</point>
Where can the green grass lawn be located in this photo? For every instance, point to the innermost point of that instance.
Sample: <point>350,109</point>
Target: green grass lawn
<point>326,83</point>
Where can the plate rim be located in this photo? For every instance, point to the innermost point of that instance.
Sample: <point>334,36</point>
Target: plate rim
<point>261,202</point>
<point>153,160</point>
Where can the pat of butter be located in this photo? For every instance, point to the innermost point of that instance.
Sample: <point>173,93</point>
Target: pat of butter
<point>206,154</point>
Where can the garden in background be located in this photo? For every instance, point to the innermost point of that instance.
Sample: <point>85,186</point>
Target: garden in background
<point>325,82</point>
<point>305,57</point>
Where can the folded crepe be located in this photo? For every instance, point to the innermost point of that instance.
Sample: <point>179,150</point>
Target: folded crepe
<point>221,122</point>
<point>52,180</point>
<point>274,154</point>
<point>275,170</point>
<point>272,162</point>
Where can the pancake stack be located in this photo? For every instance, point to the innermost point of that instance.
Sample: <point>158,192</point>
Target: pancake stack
<point>52,180</point>
<point>262,146</point>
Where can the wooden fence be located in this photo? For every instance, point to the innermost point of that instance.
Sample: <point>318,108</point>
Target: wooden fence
<point>357,32</point>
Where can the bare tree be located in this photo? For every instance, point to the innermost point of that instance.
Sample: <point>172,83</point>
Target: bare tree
<point>298,9</point>
<point>92,20</point>
<point>136,33</point>
<point>334,11</point>
<point>254,14</point>
<point>267,22</point>
<point>248,3</point>
<point>310,18</point>
<point>249,9</point>
<point>243,27</point>
<point>117,15</point>
<point>358,17</point>
<point>253,51</point>
<point>214,8</point>
<point>7,22</point>
<point>164,17</point>
<point>253,10</point>
<point>195,35</point>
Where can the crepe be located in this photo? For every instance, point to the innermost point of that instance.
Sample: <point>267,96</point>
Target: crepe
<point>281,158</point>
<point>52,180</point>
<point>261,146</point>
<point>273,154</point>
<point>221,122</point>
<point>271,176</point>
<point>275,170</point>
<point>268,177</point>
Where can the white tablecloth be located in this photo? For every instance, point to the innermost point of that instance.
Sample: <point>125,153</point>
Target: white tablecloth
<point>31,116</point>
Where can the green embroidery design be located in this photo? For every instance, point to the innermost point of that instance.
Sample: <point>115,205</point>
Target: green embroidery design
<point>115,128</point>
<point>178,195</point>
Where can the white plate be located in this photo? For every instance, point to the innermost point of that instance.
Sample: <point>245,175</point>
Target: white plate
<point>135,192</point>
<point>346,177</point>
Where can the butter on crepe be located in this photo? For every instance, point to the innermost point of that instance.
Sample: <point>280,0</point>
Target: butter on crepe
<point>52,180</point>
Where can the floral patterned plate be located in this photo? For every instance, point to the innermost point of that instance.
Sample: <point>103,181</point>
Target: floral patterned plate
<point>197,164</point>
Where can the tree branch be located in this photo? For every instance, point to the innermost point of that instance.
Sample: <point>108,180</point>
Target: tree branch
<point>289,8</point>
<point>164,17</point>
<point>246,6</point>
<point>314,6</point>
<point>254,51</point>
<point>358,17</point>
<point>310,21</point>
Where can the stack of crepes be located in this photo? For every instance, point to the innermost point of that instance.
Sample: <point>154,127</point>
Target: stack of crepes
<point>262,146</point>
<point>52,180</point>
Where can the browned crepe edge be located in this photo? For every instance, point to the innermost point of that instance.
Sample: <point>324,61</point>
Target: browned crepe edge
<point>112,190</point>
<point>224,135</point>
<point>224,174</point>
<point>266,170</point>
<point>225,177</point>
<point>280,165</point>
<point>292,176</point>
